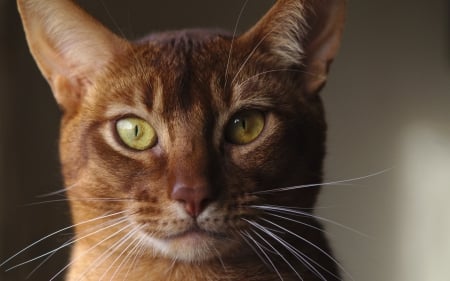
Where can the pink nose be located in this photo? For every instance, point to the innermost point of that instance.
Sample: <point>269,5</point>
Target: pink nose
<point>194,199</point>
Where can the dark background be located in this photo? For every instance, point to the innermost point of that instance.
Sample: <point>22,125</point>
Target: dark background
<point>387,101</point>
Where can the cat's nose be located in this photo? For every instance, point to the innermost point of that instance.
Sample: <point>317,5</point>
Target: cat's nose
<point>194,199</point>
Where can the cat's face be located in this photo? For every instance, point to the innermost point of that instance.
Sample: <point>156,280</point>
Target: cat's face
<point>182,143</point>
<point>184,154</point>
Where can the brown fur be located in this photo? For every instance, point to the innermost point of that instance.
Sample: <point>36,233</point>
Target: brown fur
<point>176,81</point>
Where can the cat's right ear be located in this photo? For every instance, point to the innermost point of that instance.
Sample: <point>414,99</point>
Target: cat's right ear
<point>69,46</point>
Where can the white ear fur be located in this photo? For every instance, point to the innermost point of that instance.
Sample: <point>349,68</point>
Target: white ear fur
<point>305,33</point>
<point>287,28</point>
<point>69,46</point>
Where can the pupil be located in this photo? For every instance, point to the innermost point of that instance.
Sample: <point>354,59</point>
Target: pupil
<point>136,131</point>
<point>244,124</point>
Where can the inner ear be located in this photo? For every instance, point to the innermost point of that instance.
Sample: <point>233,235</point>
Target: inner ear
<point>303,34</point>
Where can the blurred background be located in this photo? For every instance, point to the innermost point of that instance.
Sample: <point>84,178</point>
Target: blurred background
<point>388,109</point>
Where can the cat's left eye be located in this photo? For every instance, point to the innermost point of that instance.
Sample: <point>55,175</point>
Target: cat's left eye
<point>136,133</point>
<point>245,127</point>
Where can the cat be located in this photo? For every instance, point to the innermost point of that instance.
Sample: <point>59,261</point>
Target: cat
<point>192,154</point>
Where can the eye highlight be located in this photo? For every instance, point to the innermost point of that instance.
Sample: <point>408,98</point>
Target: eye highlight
<point>136,133</point>
<point>245,127</point>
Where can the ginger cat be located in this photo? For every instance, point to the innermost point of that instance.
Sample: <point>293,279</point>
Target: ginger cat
<point>193,154</point>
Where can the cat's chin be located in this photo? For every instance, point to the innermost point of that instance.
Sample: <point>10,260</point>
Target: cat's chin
<point>191,246</point>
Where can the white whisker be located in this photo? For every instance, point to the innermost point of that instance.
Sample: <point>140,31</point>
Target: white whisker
<point>340,183</point>
<point>132,244</point>
<point>268,250</point>
<point>301,257</point>
<point>68,242</point>
<point>253,248</point>
<point>108,12</point>
<point>80,200</point>
<point>39,265</point>
<point>57,232</point>
<point>257,244</point>
<point>219,257</point>
<point>90,249</point>
<point>138,61</point>
<point>294,252</point>
<point>249,57</point>
<point>232,41</point>
<point>61,247</point>
<point>57,192</point>
<point>128,237</point>
<point>297,252</point>
<point>296,221</point>
<point>313,245</point>
<point>296,212</point>
<point>268,232</point>
<point>267,72</point>
<point>106,254</point>
<point>169,270</point>
<point>136,251</point>
<point>305,260</point>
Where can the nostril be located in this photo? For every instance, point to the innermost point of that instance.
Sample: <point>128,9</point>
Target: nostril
<point>194,200</point>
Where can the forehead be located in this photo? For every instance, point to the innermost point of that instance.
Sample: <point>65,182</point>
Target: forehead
<point>189,74</point>
<point>170,72</point>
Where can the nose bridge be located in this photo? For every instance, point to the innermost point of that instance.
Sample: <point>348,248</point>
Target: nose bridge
<point>189,160</point>
<point>189,173</point>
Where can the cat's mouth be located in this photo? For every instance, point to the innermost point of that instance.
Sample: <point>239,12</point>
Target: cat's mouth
<point>195,233</point>
<point>193,244</point>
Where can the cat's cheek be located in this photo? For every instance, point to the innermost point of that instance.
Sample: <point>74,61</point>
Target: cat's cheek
<point>262,161</point>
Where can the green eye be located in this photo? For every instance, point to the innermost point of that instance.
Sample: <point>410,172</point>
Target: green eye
<point>245,127</point>
<point>136,133</point>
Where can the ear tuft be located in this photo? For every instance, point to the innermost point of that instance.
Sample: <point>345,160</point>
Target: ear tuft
<point>302,33</point>
<point>288,27</point>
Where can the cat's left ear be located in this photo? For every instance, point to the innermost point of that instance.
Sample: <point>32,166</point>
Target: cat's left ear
<point>70,47</point>
<point>304,33</point>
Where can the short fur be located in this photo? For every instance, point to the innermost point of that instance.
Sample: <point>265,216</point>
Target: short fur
<point>188,85</point>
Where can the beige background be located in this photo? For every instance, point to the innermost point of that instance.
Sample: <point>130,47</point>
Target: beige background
<point>387,101</point>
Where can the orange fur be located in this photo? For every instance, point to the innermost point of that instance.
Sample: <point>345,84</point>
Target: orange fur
<point>175,81</point>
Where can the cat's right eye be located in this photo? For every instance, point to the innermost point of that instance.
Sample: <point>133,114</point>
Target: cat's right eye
<point>136,133</point>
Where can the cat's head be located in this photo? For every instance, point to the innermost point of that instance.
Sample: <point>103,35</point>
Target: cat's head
<point>177,138</point>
